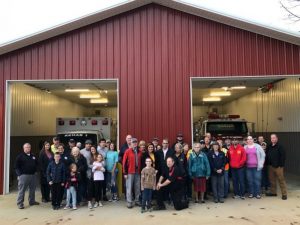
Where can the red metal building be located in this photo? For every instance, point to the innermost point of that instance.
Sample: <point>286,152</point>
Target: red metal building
<point>153,49</point>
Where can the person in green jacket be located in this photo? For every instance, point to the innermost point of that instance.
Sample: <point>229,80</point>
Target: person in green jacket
<point>199,171</point>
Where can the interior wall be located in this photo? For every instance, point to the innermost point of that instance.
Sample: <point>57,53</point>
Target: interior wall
<point>275,112</point>
<point>202,111</point>
<point>34,112</point>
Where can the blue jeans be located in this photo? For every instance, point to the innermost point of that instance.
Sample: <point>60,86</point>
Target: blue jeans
<point>71,196</point>
<point>238,179</point>
<point>217,183</point>
<point>112,182</point>
<point>146,198</point>
<point>226,183</point>
<point>253,180</point>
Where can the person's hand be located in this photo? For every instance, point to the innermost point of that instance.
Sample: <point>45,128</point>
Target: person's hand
<point>158,186</point>
<point>207,178</point>
<point>219,171</point>
<point>18,177</point>
<point>142,189</point>
<point>112,173</point>
<point>125,177</point>
<point>51,182</point>
<point>62,184</point>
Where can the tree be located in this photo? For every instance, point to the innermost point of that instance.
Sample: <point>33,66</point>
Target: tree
<point>292,7</point>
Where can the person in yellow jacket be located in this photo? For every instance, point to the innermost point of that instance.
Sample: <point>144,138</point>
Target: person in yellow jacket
<point>54,146</point>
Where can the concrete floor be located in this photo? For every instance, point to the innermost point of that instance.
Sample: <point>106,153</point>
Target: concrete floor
<point>268,210</point>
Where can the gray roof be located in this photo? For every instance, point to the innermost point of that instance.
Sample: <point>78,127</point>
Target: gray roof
<point>129,5</point>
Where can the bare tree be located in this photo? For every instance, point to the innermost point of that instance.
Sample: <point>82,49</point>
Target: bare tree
<point>292,7</point>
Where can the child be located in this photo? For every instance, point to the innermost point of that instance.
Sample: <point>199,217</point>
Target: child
<point>98,176</point>
<point>217,160</point>
<point>199,171</point>
<point>148,182</point>
<point>56,177</point>
<point>72,186</point>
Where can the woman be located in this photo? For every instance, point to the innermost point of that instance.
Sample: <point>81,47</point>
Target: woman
<point>199,171</point>
<point>142,146</point>
<point>90,181</point>
<point>255,158</point>
<point>46,156</point>
<point>217,162</point>
<point>265,183</point>
<point>111,162</point>
<point>150,153</point>
<point>81,164</point>
<point>189,182</point>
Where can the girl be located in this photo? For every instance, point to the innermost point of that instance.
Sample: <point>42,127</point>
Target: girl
<point>199,171</point>
<point>217,161</point>
<point>90,180</point>
<point>98,175</point>
<point>72,186</point>
<point>112,170</point>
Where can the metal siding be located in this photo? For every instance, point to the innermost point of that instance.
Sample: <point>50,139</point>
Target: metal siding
<point>153,50</point>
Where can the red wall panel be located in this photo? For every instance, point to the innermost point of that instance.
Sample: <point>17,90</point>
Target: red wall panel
<point>153,51</point>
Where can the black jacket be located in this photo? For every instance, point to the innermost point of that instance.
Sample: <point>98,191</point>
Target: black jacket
<point>26,164</point>
<point>162,161</point>
<point>81,165</point>
<point>44,162</point>
<point>56,172</point>
<point>146,155</point>
<point>122,152</point>
<point>181,163</point>
<point>217,162</point>
<point>276,155</point>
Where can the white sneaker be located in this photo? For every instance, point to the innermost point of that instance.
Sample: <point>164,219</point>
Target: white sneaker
<point>67,207</point>
<point>90,205</point>
<point>100,204</point>
<point>74,208</point>
<point>96,204</point>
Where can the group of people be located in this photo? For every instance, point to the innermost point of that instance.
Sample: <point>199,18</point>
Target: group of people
<point>152,172</point>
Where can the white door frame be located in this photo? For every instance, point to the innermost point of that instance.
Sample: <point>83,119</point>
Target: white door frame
<point>7,129</point>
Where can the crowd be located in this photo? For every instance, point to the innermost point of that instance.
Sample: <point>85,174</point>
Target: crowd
<point>88,176</point>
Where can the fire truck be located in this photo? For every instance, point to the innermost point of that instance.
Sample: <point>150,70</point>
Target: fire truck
<point>223,126</point>
<point>83,128</point>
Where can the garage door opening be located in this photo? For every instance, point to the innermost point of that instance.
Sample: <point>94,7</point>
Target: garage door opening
<point>36,111</point>
<point>261,105</point>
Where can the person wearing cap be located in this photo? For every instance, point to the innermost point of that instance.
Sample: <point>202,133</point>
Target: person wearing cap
<point>237,160</point>
<point>179,139</point>
<point>55,144</point>
<point>155,141</point>
<point>132,173</point>
<point>71,144</point>
<point>217,162</point>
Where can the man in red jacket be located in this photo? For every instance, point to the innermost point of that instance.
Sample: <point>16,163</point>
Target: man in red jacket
<point>132,172</point>
<point>237,160</point>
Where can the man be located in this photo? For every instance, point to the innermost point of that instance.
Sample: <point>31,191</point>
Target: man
<point>179,139</point>
<point>55,144</point>
<point>26,167</point>
<point>102,149</point>
<point>173,180</point>
<point>132,172</point>
<point>72,144</point>
<point>227,143</point>
<point>163,154</point>
<point>86,152</point>
<point>64,158</point>
<point>276,160</point>
<point>155,141</point>
<point>124,147</point>
<point>260,140</point>
<point>237,160</point>
<point>207,146</point>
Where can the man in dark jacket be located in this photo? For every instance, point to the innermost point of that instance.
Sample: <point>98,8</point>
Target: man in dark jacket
<point>26,167</point>
<point>56,177</point>
<point>276,160</point>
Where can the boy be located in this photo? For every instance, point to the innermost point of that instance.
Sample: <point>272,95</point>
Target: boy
<point>56,177</point>
<point>148,182</point>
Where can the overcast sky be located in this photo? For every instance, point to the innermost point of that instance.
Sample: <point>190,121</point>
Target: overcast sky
<point>19,18</point>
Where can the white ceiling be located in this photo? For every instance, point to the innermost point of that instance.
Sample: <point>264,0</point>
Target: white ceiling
<point>58,89</point>
<point>203,88</point>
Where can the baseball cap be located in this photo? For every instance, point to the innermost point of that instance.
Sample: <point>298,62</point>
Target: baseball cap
<point>133,140</point>
<point>202,142</point>
<point>88,141</point>
<point>72,141</point>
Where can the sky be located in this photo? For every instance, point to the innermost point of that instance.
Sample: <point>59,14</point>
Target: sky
<point>19,18</point>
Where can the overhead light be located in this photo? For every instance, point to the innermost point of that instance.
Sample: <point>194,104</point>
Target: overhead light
<point>220,93</point>
<point>238,87</point>
<point>99,101</point>
<point>225,88</point>
<point>211,99</point>
<point>89,96</point>
<point>77,90</point>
